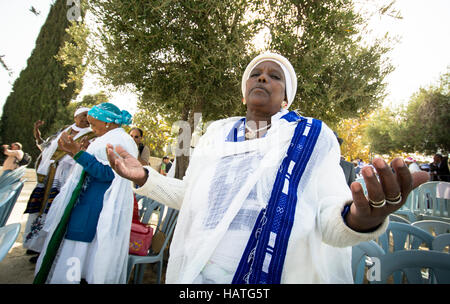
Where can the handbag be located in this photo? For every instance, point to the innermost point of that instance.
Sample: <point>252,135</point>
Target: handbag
<point>140,239</point>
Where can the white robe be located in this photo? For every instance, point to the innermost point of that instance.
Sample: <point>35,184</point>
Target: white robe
<point>65,165</point>
<point>104,260</point>
<point>319,248</point>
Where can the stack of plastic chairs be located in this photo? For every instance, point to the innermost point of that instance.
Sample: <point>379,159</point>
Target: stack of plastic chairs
<point>411,262</point>
<point>432,205</point>
<point>362,255</point>
<point>8,235</point>
<point>434,227</point>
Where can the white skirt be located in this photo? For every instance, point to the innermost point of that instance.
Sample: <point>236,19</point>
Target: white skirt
<point>73,262</point>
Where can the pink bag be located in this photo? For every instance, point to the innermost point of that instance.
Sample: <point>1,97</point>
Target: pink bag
<point>140,239</point>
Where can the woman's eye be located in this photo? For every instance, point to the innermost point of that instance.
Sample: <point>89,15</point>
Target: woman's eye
<point>275,76</point>
<point>254,75</point>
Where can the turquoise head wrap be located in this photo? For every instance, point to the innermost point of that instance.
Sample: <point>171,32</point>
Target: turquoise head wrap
<point>108,112</point>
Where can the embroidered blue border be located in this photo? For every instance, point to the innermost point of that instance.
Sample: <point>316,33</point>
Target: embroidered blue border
<point>263,258</point>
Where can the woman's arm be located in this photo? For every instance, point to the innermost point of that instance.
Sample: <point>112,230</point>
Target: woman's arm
<point>95,168</point>
<point>166,190</point>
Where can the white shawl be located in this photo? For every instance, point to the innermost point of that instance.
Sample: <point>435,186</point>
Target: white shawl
<point>114,224</point>
<point>48,152</point>
<point>312,255</point>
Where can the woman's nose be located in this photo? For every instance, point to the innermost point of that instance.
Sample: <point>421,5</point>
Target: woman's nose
<point>262,78</point>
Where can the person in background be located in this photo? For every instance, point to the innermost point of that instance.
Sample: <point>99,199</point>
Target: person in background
<point>347,167</point>
<point>52,169</point>
<point>90,220</point>
<point>412,165</point>
<point>14,155</point>
<point>439,168</point>
<point>144,151</point>
<point>165,165</point>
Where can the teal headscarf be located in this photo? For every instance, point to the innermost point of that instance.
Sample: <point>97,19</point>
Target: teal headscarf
<point>108,112</point>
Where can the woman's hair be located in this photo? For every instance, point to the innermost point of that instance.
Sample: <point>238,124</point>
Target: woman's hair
<point>140,131</point>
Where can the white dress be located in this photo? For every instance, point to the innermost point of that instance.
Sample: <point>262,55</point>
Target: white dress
<point>226,185</point>
<point>104,260</point>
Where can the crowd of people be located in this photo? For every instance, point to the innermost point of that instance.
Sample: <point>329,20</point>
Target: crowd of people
<point>266,197</point>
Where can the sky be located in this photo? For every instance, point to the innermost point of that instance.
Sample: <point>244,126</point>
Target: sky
<point>421,56</point>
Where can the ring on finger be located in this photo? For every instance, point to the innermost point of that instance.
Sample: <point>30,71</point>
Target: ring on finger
<point>395,200</point>
<point>377,204</point>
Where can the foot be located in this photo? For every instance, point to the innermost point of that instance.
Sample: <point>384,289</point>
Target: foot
<point>31,252</point>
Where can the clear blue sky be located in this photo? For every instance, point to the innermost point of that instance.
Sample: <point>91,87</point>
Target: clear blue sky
<point>422,55</point>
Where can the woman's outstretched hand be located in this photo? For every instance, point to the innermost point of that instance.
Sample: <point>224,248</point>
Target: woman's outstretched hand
<point>384,195</point>
<point>126,165</point>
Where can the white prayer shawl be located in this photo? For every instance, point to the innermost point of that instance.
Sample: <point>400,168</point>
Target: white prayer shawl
<point>111,242</point>
<point>319,245</point>
<point>65,163</point>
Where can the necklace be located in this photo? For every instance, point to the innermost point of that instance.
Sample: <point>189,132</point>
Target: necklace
<point>251,134</point>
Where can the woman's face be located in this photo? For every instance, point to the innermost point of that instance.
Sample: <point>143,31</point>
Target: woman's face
<point>97,126</point>
<point>265,88</point>
<point>81,120</point>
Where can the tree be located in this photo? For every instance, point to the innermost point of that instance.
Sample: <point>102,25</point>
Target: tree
<point>382,131</point>
<point>64,115</point>
<point>157,132</point>
<point>425,127</point>
<point>352,131</point>
<point>39,91</point>
<point>419,127</point>
<point>182,56</point>
<point>339,76</point>
<point>188,56</point>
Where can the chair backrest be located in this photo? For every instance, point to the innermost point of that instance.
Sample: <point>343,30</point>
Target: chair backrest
<point>434,227</point>
<point>429,203</point>
<point>404,236</point>
<point>360,254</point>
<point>441,241</point>
<point>411,263</point>
<point>8,235</point>
<point>167,228</point>
<point>12,177</point>
<point>5,207</point>
<point>398,218</point>
<point>150,206</point>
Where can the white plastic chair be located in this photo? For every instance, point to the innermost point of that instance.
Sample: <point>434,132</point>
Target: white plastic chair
<point>411,263</point>
<point>361,258</point>
<point>8,235</point>
<point>441,241</point>
<point>434,227</point>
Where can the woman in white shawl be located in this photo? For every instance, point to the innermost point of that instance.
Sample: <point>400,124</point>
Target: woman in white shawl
<point>264,199</point>
<point>53,169</point>
<point>88,234</point>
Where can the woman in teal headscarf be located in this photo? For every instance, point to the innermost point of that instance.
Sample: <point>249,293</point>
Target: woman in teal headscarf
<point>88,236</point>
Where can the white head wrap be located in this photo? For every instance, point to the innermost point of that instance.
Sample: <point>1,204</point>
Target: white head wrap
<point>81,110</point>
<point>286,66</point>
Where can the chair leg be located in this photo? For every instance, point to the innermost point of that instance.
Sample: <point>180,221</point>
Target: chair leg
<point>129,269</point>
<point>159,272</point>
<point>140,275</point>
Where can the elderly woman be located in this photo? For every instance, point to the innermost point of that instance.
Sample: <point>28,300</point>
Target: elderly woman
<point>264,199</point>
<point>52,171</point>
<point>88,234</point>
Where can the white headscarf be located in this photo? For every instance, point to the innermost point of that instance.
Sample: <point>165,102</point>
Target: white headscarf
<point>80,110</point>
<point>286,66</point>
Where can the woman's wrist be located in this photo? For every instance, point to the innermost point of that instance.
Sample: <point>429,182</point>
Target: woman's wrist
<point>354,223</point>
<point>141,180</point>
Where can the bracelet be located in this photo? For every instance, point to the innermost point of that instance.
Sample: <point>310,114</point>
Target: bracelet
<point>345,212</point>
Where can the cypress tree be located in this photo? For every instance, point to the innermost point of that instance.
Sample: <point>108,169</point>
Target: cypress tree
<point>41,88</point>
